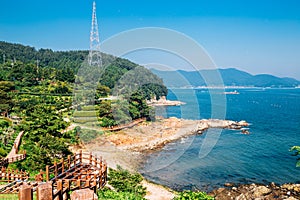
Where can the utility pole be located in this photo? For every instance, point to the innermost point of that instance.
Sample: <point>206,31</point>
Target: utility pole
<point>3,58</point>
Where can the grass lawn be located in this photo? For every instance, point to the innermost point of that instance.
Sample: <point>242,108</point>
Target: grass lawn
<point>13,196</point>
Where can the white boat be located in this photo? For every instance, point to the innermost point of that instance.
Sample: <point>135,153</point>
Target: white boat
<point>232,92</point>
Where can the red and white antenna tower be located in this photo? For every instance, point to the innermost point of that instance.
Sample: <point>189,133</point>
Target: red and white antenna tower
<point>94,53</point>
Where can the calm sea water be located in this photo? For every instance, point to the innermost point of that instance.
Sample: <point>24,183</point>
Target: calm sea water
<point>261,157</point>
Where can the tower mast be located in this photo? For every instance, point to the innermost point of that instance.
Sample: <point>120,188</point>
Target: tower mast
<point>94,53</point>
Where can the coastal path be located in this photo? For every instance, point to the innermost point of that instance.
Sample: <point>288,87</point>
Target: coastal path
<point>13,155</point>
<point>113,128</point>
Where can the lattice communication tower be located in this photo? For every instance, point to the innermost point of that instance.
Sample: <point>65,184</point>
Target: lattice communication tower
<point>94,57</point>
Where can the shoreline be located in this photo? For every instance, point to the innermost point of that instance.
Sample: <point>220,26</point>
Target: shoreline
<point>129,147</point>
<point>151,136</point>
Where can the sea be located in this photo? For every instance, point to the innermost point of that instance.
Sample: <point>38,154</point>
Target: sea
<point>218,156</point>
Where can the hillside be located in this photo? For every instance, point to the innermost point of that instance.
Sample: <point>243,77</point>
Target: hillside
<point>231,77</point>
<point>64,65</point>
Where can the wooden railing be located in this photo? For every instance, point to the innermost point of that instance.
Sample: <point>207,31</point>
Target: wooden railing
<point>82,170</point>
<point>10,175</point>
<point>123,126</point>
<point>16,158</point>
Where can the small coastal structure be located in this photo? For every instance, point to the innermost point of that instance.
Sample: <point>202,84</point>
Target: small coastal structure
<point>163,102</point>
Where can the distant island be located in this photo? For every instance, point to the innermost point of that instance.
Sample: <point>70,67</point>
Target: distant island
<point>231,77</point>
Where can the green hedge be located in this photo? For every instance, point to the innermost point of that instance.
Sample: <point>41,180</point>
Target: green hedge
<point>84,114</point>
<point>84,120</point>
<point>88,108</point>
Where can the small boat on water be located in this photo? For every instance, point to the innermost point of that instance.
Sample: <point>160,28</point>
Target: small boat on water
<point>232,92</point>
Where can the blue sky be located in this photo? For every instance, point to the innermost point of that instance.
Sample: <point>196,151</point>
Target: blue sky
<point>255,36</point>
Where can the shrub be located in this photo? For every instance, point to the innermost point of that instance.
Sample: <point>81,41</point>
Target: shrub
<point>84,114</point>
<point>2,152</point>
<point>109,194</point>
<point>4,123</point>
<point>87,135</point>
<point>296,149</point>
<point>124,181</point>
<point>190,195</point>
<point>84,120</point>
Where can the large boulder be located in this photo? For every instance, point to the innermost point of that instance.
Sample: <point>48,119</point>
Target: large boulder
<point>261,191</point>
<point>83,194</point>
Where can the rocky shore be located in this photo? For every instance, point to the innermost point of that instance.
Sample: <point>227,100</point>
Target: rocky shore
<point>127,147</point>
<point>257,192</point>
<point>154,135</point>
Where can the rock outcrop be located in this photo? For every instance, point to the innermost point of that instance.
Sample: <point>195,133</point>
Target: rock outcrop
<point>205,124</point>
<point>257,192</point>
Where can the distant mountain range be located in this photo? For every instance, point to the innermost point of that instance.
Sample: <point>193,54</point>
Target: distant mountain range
<point>231,77</point>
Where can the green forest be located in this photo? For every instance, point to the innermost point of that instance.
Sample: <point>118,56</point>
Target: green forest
<point>43,91</point>
<point>37,87</point>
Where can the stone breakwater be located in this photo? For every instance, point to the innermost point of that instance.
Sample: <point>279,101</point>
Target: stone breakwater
<point>258,192</point>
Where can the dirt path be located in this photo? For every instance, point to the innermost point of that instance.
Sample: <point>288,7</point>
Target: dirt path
<point>157,192</point>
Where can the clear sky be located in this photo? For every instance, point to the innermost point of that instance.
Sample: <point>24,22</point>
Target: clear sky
<point>258,36</point>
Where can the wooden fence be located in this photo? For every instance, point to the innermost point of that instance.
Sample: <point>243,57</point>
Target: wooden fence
<point>10,175</point>
<point>16,158</point>
<point>82,170</point>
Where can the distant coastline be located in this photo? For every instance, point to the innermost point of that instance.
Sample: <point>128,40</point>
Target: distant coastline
<point>231,87</point>
<point>220,78</point>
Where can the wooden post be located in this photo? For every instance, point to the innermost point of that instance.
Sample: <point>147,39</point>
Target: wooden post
<point>9,175</point>
<point>80,156</point>
<point>42,174</point>
<point>69,188</point>
<point>21,176</point>
<point>105,172</point>
<point>75,161</point>
<point>69,161</point>
<point>47,172</point>
<point>78,183</point>
<point>60,189</point>
<point>95,183</point>
<point>55,169</point>
<point>25,193</point>
<point>100,178</point>
<point>91,158</point>
<point>44,191</point>
<point>101,161</point>
<point>63,165</point>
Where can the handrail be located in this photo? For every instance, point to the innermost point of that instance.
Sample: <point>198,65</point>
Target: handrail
<point>81,170</point>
